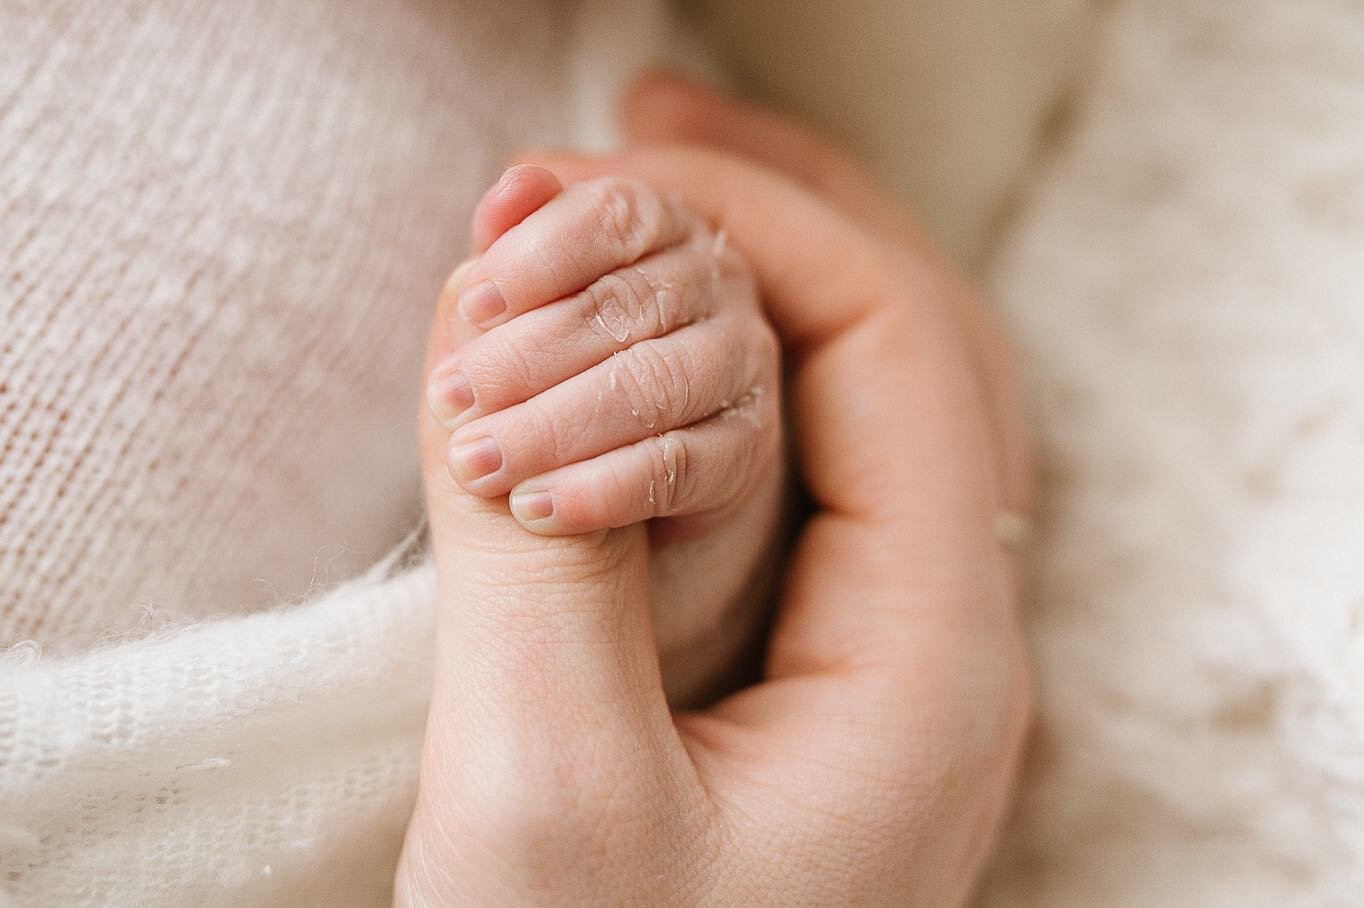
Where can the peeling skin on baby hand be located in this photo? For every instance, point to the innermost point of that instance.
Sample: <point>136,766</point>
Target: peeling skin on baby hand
<point>609,340</point>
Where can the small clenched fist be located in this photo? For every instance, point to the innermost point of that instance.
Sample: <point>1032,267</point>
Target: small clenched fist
<point>612,365</point>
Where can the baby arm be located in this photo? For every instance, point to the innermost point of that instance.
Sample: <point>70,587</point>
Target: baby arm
<point>613,365</point>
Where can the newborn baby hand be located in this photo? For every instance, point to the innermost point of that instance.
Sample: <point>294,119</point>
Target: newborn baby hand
<point>625,371</point>
<point>612,365</point>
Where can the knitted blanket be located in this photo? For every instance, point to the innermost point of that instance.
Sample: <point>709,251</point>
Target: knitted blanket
<point>224,225</point>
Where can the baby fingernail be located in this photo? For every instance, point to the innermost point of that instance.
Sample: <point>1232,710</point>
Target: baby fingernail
<point>531,506</point>
<point>482,302</point>
<point>475,459</point>
<point>453,283</point>
<point>449,395</point>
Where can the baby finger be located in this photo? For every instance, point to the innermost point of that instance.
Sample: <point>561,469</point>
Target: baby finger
<point>703,468</point>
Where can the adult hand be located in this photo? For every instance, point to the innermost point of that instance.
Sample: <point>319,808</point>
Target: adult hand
<point>873,763</point>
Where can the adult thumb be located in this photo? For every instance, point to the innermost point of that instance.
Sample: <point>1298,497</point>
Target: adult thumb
<point>546,679</point>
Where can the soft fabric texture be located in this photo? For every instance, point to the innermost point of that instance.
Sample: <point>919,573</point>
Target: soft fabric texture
<point>1187,281</point>
<point>1185,276</point>
<point>224,225</point>
<point>224,230</point>
<point>270,760</point>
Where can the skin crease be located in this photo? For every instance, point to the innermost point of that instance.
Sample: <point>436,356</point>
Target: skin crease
<point>683,360</point>
<point>708,305</point>
<point>874,762</point>
<point>631,376</point>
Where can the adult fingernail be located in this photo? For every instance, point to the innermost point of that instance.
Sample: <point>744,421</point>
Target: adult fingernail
<point>529,507</point>
<point>472,460</point>
<point>449,395</point>
<point>482,303</point>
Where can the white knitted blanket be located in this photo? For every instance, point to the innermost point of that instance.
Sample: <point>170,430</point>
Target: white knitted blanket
<point>222,226</point>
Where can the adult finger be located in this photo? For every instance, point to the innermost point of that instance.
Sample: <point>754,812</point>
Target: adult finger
<point>819,252</point>
<point>663,107</point>
<point>895,688</point>
<point>891,423</point>
<point>548,717</point>
<point>895,695</point>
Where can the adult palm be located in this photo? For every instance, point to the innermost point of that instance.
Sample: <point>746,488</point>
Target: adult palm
<point>873,762</point>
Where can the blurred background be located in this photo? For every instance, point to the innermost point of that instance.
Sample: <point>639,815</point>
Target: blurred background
<point>1164,200</point>
<point>948,101</point>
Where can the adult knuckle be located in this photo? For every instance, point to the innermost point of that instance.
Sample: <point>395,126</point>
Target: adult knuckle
<point>629,214</point>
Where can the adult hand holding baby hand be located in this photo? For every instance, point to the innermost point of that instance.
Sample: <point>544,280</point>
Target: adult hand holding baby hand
<point>873,762</point>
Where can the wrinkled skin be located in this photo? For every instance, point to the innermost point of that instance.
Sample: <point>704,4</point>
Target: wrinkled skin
<point>610,363</point>
<point>874,761</point>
